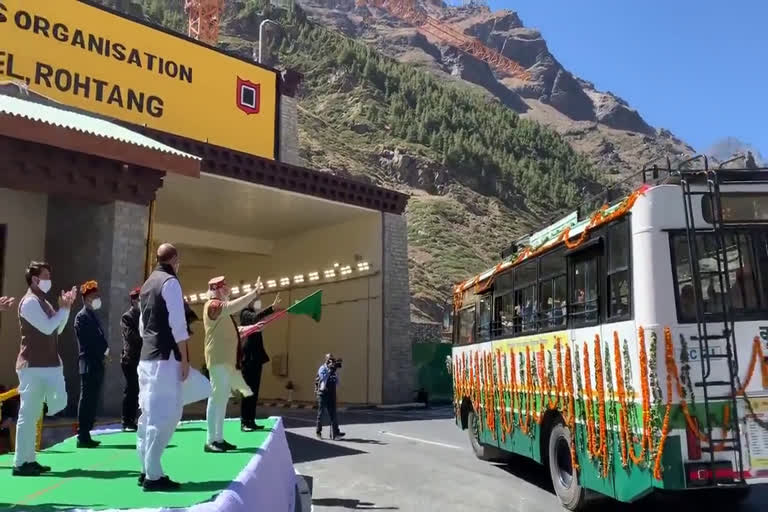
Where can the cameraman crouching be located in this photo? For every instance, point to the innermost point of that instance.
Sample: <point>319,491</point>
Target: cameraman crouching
<point>325,387</point>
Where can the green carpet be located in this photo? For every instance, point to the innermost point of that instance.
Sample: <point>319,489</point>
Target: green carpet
<point>105,477</point>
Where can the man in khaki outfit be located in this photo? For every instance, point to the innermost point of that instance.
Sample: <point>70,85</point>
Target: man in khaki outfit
<point>222,341</point>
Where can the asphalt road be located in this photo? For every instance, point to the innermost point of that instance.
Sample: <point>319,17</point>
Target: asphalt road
<point>415,461</point>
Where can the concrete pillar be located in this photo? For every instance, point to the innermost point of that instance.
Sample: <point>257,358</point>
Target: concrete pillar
<point>105,242</point>
<point>398,373</point>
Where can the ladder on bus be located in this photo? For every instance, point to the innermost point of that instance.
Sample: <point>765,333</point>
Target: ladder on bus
<point>713,390</point>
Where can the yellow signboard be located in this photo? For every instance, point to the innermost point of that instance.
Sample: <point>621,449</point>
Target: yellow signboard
<point>534,341</point>
<point>94,59</point>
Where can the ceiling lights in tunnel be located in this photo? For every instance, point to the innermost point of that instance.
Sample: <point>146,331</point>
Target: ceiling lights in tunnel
<point>337,273</point>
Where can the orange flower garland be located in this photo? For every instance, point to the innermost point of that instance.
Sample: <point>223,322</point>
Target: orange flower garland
<point>598,219</point>
<point>599,383</point>
<point>571,406</point>
<point>620,391</point>
<point>671,367</point>
<point>591,441</point>
<point>646,442</point>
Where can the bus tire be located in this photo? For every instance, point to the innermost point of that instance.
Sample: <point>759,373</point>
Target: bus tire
<point>473,428</point>
<point>564,479</point>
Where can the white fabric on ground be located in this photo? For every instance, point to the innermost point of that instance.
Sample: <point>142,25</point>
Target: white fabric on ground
<point>195,388</point>
<point>160,401</point>
<point>36,385</point>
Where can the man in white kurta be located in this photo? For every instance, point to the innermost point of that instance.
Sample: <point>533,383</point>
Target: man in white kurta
<point>222,340</point>
<point>163,367</point>
<point>38,365</point>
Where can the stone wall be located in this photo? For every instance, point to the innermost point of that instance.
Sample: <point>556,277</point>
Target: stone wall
<point>398,373</point>
<point>289,132</point>
<point>104,242</point>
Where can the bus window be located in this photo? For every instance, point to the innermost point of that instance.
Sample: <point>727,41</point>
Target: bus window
<point>466,327</point>
<point>585,304</point>
<point>525,297</point>
<point>743,285</point>
<point>617,270</point>
<point>504,306</point>
<point>552,290</point>
<point>484,318</point>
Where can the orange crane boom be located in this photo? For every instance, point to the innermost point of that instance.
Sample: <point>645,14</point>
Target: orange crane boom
<point>407,11</point>
<point>204,19</point>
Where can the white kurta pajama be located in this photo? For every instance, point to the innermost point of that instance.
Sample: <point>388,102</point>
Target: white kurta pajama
<point>160,390</point>
<point>221,344</point>
<point>38,383</point>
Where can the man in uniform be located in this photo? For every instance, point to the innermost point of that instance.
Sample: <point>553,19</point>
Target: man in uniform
<point>252,358</point>
<point>129,360</point>
<point>41,376</point>
<point>222,339</point>
<point>93,349</point>
<point>163,366</point>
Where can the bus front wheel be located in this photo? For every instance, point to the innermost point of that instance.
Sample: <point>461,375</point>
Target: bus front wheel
<point>474,427</point>
<point>565,478</point>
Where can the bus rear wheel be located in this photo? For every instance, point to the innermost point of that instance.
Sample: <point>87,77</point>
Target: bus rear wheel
<point>565,478</point>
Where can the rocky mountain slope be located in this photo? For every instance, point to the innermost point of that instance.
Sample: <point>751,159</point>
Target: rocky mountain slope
<point>486,159</point>
<point>600,124</point>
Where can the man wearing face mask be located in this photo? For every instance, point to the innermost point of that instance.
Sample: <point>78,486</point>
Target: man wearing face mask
<point>129,360</point>
<point>93,349</point>
<point>222,339</point>
<point>163,367</point>
<point>41,377</point>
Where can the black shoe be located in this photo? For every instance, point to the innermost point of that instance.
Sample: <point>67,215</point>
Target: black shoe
<point>163,484</point>
<point>227,446</point>
<point>27,469</point>
<point>214,448</point>
<point>142,477</point>
<point>130,427</point>
<point>338,435</point>
<point>251,427</point>
<point>88,443</point>
<point>319,435</point>
<point>40,467</point>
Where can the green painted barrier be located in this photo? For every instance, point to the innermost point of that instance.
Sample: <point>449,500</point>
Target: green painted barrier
<point>433,376</point>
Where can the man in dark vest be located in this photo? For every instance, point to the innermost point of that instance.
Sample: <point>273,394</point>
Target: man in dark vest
<point>129,360</point>
<point>41,376</point>
<point>94,348</point>
<point>163,366</point>
<point>251,359</point>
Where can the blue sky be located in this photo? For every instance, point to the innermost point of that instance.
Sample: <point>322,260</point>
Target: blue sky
<point>697,68</point>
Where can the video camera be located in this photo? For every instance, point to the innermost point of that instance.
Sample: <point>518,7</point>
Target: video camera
<point>335,363</point>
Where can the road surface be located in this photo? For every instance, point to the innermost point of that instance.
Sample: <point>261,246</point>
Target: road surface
<point>415,461</point>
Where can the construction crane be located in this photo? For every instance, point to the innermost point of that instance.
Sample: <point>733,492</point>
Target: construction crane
<point>408,11</point>
<point>204,19</point>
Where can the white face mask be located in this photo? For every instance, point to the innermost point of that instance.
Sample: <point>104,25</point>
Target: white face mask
<point>44,285</point>
<point>96,304</point>
<point>257,304</point>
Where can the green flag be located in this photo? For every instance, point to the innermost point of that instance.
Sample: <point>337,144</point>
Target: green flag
<point>311,306</point>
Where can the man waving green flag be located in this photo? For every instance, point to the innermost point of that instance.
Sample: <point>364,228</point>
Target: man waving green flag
<point>310,306</point>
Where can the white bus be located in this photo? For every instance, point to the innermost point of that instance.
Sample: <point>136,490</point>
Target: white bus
<point>627,350</point>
